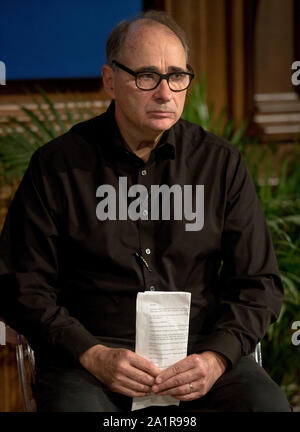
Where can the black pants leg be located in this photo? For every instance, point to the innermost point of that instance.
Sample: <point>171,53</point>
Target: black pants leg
<point>75,390</point>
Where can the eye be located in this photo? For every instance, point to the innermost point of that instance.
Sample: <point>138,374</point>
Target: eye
<point>178,76</point>
<point>147,76</point>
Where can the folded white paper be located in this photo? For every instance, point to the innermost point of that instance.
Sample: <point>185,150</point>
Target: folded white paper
<point>2,333</point>
<point>162,328</point>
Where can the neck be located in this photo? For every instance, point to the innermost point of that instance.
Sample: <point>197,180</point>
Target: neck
<point>141,146</point>
<point>144,148</point>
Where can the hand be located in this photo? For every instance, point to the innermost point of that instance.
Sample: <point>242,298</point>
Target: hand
<point>121,370</point>
<point>200,370</point>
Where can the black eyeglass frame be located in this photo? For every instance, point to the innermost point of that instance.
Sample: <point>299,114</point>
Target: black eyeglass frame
<point>161,76</point>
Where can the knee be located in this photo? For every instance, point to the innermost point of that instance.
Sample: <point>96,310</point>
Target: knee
<point>275,401</point>
<point>265,396</point>
<point>249,388</point>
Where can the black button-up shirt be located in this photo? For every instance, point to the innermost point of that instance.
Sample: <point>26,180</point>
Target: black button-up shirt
<point>70,280</point>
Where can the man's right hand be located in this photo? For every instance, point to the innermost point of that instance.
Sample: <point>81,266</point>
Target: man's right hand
<point>121,370</point>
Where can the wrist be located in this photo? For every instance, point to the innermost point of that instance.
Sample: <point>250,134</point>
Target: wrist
<point>218,358</point>
<point>87,358</point>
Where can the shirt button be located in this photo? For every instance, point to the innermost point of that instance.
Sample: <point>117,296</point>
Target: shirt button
<point>145,212</point>
<point>152,288</point>
<point>148,251</point>
<point>144,172</point>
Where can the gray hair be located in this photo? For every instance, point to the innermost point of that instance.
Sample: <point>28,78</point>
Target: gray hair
<point>116,39</point>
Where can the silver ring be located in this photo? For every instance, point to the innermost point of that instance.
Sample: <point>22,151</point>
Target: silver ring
<point>191,388</point>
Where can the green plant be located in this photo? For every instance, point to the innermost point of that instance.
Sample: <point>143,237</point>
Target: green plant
<point>197,111</point>
<point>20,140</point>
<point>281,205</point>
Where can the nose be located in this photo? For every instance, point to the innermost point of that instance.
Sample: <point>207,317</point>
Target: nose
<point>163,92</point>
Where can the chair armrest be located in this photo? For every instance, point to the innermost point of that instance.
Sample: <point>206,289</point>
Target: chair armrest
<point>8,335</point>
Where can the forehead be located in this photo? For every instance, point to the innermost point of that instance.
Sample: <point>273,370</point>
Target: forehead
<point>148,41</point>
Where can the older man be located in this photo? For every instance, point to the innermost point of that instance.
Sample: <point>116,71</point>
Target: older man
<point>72,269</point>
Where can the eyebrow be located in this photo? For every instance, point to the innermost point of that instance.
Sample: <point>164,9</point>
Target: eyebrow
<point>155,69</point>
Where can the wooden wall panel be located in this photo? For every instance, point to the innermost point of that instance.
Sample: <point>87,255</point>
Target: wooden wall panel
<point>246,49</point>
<point>220,34</point>
<point>277,100</point>
<point>204,24</point>
<point>274,47</point>
<point>240,55</point>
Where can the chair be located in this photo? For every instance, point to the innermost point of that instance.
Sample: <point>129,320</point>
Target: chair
<point>257,354</point>
<point>25,363</point>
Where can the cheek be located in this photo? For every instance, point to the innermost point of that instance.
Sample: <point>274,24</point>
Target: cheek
<point>136,107</point>
<point>180,100</point>
<point>141,101</point>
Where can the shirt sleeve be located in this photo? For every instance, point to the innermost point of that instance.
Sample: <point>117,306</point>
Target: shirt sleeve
<point>250,288</point>
<point>29,268</point>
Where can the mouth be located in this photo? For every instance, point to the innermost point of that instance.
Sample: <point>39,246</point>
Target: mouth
<point>161,114</point>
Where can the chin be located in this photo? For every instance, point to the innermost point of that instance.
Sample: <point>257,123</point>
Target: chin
<point>162,124</point>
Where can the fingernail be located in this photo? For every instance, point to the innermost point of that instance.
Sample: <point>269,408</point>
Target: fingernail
<point>158,380</point>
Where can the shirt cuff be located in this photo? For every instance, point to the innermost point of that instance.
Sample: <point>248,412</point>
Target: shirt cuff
<point>224,343</point>
<point>75,340</point>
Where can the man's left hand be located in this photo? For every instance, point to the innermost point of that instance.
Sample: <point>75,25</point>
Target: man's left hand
<point>192,377</point>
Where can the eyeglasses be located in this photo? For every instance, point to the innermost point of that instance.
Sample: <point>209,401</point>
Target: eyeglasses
<point>148,80</point>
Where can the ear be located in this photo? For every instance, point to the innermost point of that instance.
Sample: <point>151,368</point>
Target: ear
<point>108,79</point>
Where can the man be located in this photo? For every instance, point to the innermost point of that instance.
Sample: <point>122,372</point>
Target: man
<point>71,270</point>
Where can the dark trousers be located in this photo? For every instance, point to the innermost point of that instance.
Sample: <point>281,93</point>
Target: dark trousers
<point>246,387</point>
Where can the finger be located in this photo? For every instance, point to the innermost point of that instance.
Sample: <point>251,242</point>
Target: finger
<point>176,391</point>
<point>180,380</point>
<point>129,392</point>
<point>144,365</point>
<point>133,385</point>
<point>135,367</point>
<point>189,397</point>
<point>137,375</point>
<point>176,369</point>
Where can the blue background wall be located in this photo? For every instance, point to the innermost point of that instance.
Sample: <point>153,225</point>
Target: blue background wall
<point>58,38</point>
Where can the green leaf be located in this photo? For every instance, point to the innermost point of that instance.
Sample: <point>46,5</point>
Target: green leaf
<point>45,135</point>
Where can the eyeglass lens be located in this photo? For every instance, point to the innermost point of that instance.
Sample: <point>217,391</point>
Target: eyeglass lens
<point>149,80</point>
